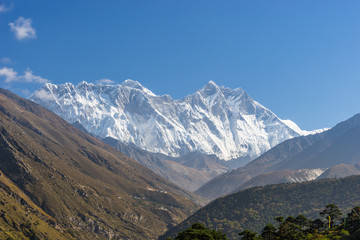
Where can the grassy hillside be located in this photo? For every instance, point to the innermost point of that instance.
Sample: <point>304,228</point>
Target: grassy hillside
<point>89,188</point>
<point>20,218</point>
<point>253,208</point>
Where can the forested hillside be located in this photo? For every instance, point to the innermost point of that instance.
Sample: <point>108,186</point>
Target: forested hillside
<point>330,225</point>
<point>253,208</point>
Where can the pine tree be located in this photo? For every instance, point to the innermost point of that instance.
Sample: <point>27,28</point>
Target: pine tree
<point>332,213</point>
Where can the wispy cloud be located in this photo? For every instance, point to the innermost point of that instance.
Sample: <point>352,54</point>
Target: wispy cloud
<point>30,77</point>
<point>44,95</point>
<point>11,75</point>
<point>105,81</point>
<point>3,8</point>
<point>22,28</point>
<point>6,60</point>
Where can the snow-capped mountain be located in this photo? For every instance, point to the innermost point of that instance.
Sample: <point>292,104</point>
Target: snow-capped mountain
<point>214,120</point>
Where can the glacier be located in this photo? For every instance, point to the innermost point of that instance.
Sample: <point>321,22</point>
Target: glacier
<point>213,120</point>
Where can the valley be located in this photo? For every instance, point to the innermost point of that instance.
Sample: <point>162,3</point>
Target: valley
<point>179,120</point>
<point>84,187</point>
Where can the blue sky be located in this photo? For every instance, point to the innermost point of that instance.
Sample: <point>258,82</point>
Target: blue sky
<point>300,59</point>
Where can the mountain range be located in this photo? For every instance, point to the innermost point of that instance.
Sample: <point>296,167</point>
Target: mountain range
<point>214,120</point>
<point>187,141</point>
<point>70,185</point>
<point>192,140</point>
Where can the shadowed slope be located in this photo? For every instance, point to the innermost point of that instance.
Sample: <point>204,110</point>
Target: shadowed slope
<point>173,169</point>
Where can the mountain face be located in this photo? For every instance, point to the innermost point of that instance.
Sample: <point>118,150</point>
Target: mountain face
<point>87,188</point>
<point>214,120</point>
<point>339,145</point>
<point>233,180</point>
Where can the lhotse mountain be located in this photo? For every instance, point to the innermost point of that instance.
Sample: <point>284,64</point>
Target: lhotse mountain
<point>214,120</point>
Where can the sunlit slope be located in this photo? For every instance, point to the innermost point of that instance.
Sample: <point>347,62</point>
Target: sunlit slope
<point>86,186</point>
<point>20,218</point>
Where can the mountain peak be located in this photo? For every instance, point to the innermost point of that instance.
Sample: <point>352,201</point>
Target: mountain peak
<point>132,83</point>
<point>211,83</point>
<point>136,85</point>
<point>84,83</point>
<point>49,86</point>
<point>210,88</point>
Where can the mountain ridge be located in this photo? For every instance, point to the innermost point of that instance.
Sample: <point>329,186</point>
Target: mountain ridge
<point>338,145</point>
<point>213,120</point>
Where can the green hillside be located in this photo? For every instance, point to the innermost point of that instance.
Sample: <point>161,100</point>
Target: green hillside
<point>253,208</point>
<point>332,225</point>
<point>20,218</point>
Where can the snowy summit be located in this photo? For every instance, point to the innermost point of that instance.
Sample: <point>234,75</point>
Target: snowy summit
<point>214,120</point>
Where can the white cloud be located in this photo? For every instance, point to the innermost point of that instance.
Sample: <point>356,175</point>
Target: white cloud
<point>9,74</point>
<point>22,28</point>
<point>105,81</point>
<point>3,8</point>
<point>30,77</point>
<point>12,76</point>
<point>44,95</point>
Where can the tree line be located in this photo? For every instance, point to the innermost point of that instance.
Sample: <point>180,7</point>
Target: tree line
<point>253,208</point>
<point>330,225</point>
